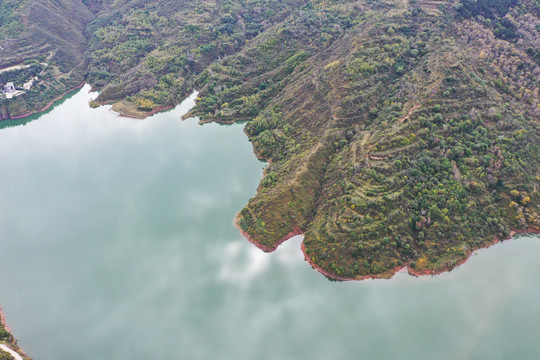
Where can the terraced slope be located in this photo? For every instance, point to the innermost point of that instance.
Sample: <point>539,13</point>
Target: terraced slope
<point>399,132</point>
<point>44,39</point>
<point>147,56</point>
<point>404,139</point>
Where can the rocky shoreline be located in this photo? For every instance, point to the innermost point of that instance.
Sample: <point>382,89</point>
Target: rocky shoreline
<point>13,343</point>
<point>142,115</point>
<point>296,231</point>
<point>388,274</point>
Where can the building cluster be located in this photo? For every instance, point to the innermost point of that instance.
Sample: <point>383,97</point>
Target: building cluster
<point>10,91</point>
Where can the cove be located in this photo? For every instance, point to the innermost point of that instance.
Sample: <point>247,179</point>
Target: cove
<point>117,242</point>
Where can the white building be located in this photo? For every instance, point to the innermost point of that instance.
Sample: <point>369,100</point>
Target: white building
<point>28,85</point>
<point>9,88</point>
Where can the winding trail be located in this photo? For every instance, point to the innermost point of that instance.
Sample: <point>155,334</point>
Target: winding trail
<point>15,355</point>
<point>414,108</point>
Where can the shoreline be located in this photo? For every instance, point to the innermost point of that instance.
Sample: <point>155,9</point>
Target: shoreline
<point>295,231</point>
<point>3,321</point>
<point>46,107</point>
<point>496,240</point>
<point>142,115</point>
<point>13,345</point>
<point>390,273</point>
<point>139,114</point>
<point>158,109</point>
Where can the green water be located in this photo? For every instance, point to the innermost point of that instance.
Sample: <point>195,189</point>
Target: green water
<point>116,242</point>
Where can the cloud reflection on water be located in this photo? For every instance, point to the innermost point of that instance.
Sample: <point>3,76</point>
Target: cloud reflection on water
<point>242,262</point>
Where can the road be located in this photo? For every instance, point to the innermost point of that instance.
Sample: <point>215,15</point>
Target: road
<point>13,353</point>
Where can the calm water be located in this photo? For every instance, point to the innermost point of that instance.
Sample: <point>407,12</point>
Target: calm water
<point>116,242</point>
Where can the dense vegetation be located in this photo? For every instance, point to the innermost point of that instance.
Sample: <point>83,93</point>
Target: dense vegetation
<point>408,136</point>
<point>49,37</point>
<point>7,338</point>
<point>398,132</point>
<point>5,355</point>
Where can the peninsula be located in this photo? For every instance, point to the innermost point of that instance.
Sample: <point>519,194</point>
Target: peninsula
<point>398,132</point>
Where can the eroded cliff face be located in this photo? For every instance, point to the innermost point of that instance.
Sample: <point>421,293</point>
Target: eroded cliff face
<point>399,132</point>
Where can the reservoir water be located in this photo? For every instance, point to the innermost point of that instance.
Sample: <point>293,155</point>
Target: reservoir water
<point>117,242</point>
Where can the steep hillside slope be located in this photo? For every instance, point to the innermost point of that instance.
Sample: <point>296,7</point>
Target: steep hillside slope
<point>409,135</point>
<point>146,56</point>
<point>399,132</point>
<point>44,40</point>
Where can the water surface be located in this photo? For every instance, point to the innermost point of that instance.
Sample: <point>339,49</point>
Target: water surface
<point>116,242</point>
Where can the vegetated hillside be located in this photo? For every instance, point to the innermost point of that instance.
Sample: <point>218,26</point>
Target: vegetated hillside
<point>8,339</point>
<point>142,55</point>
<point>145,56</point>
<point>43,39</point>
<point>398,131</point>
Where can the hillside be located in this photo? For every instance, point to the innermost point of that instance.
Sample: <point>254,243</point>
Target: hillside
<point>147,56</point>
<point>44,41</point>
<point>398,132</point>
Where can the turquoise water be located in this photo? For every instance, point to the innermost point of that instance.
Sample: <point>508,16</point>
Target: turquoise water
<point>117,242</point>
